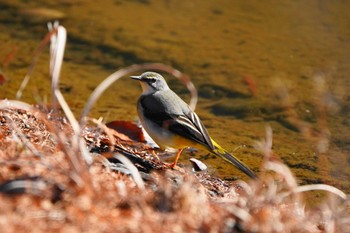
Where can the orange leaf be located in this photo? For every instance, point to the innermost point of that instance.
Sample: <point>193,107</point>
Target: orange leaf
<point>247,80</point>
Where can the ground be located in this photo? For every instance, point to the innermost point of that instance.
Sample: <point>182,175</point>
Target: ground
<point>46,185</point>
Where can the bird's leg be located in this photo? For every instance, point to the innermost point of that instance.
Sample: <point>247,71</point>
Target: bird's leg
<point>176,158</point>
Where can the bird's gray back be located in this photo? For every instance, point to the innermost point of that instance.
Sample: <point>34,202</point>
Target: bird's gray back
<point>164,101</point>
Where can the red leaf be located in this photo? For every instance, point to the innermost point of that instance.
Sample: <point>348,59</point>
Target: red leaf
<point>2,78</point>
<point>127,129</point>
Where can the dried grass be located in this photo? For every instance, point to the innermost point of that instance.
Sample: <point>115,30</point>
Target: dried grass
<point>42,191</point>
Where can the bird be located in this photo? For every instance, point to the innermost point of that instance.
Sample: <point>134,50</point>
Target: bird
<point>171,123</point>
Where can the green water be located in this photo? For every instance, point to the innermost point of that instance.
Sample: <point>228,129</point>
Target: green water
<point>294,54</point>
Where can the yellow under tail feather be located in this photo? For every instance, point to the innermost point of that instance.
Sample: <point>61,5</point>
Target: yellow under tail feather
<point>221,152</point>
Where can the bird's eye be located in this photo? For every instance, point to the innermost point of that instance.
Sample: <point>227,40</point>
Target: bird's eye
<point>152,80</point>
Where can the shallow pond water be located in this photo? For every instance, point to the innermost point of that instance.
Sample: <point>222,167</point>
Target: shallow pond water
<point>283,64</point>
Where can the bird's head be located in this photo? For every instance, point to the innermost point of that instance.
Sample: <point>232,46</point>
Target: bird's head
<point>151,82</point>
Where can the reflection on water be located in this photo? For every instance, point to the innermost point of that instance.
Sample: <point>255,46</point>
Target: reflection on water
<point>283,64</point>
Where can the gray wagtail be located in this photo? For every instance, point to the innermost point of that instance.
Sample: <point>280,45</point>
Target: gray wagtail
<point>172,124</point>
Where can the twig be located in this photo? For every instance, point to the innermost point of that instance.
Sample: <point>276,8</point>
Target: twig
<point>38,51</point>
<point>323,187</point>
<point>57,47</point>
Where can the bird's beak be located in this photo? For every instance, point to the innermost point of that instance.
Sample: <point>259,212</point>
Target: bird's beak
<point>136,77</point>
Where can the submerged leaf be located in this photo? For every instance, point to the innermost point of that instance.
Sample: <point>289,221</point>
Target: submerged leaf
<point>2,78</point>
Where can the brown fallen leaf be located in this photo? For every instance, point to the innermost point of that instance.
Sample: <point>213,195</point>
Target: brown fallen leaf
<point>126,130</point>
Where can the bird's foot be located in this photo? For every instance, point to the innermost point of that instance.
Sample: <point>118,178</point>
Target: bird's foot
<point>170,165</point>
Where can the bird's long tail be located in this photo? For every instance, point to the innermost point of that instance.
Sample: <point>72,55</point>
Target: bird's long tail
<point>221,152</point>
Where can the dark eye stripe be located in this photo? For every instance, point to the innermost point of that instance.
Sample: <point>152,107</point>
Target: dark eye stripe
<point>152,80</point>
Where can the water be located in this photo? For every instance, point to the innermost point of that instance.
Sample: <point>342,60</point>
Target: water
<point>283,64</point>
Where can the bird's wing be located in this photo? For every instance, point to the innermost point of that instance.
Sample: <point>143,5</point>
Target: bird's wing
<point>183,122</point>
<point>190,126</point>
